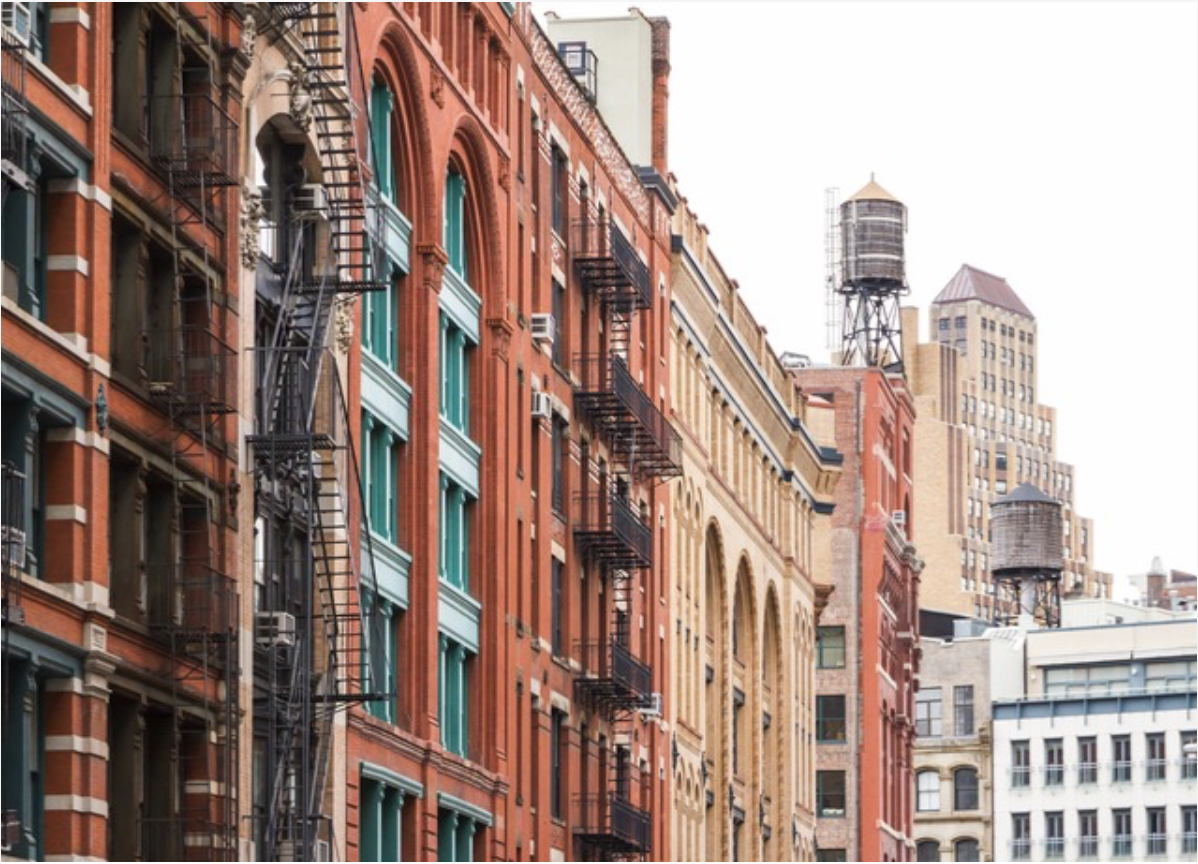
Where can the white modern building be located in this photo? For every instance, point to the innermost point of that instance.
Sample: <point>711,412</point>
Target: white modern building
<point>1093,757</point>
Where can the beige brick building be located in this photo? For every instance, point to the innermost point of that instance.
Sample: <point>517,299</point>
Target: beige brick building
<point>744,598</point>
<point>981,431</point>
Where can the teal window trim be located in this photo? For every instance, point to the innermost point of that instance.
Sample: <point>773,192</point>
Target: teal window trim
<point>454,224</point>
<point>386,709</point>
<point>454,564</point>
<point>455,353</point>
<point>382,102</point>
<point>453,696</point>
<point>381,795</point>
<point>380,468</point>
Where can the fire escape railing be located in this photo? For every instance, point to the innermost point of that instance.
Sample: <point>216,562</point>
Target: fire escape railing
<point>610,532</point>
<point>197,143</point>
<point>638,434</point>
<point>16,108</point>
<point>612,678</point>
<point>612,825</point>
<point>608,263</point>
<point>197,371</point>
<point>14,540</point>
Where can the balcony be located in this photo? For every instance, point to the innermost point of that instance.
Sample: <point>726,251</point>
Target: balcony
<point>195,141</point>
<point>608,264</point>
<point>611,825</point>
<point>12,120</point>
<point>192,368</point>
<point>582,63</point>
<point>638,433</point>
<point>12,555</point>
<point>611,533</point>
<point>192,604</point>
<point>612,679</point>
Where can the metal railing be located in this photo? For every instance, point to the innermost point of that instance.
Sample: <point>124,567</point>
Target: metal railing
<point>582,63</point>
<point>1158,844</point>
<point>1155,769</point>
<point>12,120</point>
<point>195,139</point>
<point>637,431</point>
<point>609,530</point>
<point>14,543</point>
<point>193,366</point>
<point>1121,847</point>
<point>613,672</point>
<point>1121,772</point>
<point>608,263</point>
<point>1021,850</point>
<point>1087,773</point>
<point>611,820</point>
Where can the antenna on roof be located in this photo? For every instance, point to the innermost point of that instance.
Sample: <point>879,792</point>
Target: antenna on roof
<point>832,302</point>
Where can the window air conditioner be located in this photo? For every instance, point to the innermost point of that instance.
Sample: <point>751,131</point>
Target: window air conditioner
<point>542,405</point>
<point>16,19</point>
<point>543,327</point>
<point>310,199</point>
<point>652,706</point>
<point>899,517</point>
<point>13,540</point>
<point>275,629</point>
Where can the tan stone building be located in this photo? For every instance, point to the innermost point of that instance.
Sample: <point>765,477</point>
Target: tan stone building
<point>980,431</point>
<point>744,599</point>
<point>953,775</point>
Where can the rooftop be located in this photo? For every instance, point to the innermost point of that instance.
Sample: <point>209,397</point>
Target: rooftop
<point>970,283</point>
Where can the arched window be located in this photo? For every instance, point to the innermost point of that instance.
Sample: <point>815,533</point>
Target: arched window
<point>966,850</point>
<point>965,789</point>
<point>927,788</point>
<point>927,850</point>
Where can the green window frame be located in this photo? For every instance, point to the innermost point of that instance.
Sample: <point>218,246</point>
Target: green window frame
<point>25,247</point>
<point>387,708</point>
<point>380,820</point>
<point>455,353</point>
<point>830,719</point>
<point>454,558</point>
<point>382,102</point>
<point>453,692</point>
<point>380,467</point>
<point>455,835</point>
<point>380,328</point>
<point>829,647</point>
<point>25,758</point>
<point>454,224</point>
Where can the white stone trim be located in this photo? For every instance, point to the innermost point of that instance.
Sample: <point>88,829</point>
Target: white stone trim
<point>557,551</point>
<point>66,513</point>
<point>73,93</point>
<point>556,136</point>
<point>57,263</point>
<point>75,435</point>
<point>71,15</point>
<point>86,191</point>
<point>76,804</point>
<point>559,701</point>
<point>77,744</point>
<point>73,858</point>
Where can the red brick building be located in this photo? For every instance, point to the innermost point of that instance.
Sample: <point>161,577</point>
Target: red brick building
<point>867,659</point>
<point>120,441</point>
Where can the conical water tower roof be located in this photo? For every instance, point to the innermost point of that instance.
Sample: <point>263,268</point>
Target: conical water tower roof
<point>1025,492</point>
<point>871,191</point>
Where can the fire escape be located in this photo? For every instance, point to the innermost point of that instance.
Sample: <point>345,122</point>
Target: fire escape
<point>614,536</point>
<point>192,376</point>
<point>16,110</point>
<point>312,657</point>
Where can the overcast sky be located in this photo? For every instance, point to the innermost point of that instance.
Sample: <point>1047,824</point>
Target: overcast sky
<point>1053,144</point>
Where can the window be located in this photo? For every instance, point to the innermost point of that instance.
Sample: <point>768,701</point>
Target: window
<point>1054,835</point>
<point>557,755</point>
<point>559,179</point>
<point>927,713</point>
<point>1120,758</point>
<point>454,229</point>
<point>455,351</point>
<point>145,58</point>
<point>558,466</point>
<point>1189,829</point>
<point>453,709</point>
<point>1121,833</point>
<point>1189,760</point>
<point>960,320</point>
<point>24,760</point>
<point>1087,834</point>
<point>1158,837</point>
<point>1054,762</point>
<point>927,791</point>
<point>831,855</point>
<point>26,233</point>
<point>945,323</point>
<point>380,807</point>
<point>1087,761</point>
<point>386,708</point>
<point>830,719</point>
<point>963,710</point>
<point>379,329</point>
<point>966,850</point>
<point>454,564</point>
<point>1021,765</point>
<point>1021,836</point>
<point>559,649</point>
<point>380,469</point>
<point>738,704</point>
<point>381,104</point>
<point>829,793</point>
<point>1154,768</point>
<point>559,316</point>
<point>927,850</point>
<point>455,835</point>
<point>965,789</point>
<point>829,648</point>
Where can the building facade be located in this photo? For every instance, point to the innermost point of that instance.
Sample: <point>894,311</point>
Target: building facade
<point>866,642</point>
<point>1093,756</point>
<point>953,774</point>
<point>981,430</point>
<point>744,595</point>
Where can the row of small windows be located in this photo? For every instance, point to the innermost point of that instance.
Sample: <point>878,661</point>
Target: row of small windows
<point>1087,765</point>
<point>1121,839</point>
<point>965,849</point>
<point>965,790</point>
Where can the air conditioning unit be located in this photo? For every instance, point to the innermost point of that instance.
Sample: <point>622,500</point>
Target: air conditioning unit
<point>652,706</point>
<point>274,629</point>
<point>310,199</point>
<point>321,851</point>
<point>542,405</point>
<point>899,517</point>
<point>13,540</point>
<point>16,19</point>
<point>543,328</point>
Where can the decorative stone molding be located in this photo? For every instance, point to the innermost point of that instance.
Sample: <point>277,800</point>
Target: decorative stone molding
<point>252,213</point>
<point>249,33</point>
<point>344,324</point>
<point>301,97</point>
<point>437,88</point>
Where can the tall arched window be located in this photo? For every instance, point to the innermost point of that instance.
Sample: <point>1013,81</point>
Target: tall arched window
<point>966,850</point>
<point>927,850</point>
<point>927,789</point>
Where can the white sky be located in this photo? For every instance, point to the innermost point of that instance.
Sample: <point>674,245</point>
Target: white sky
<point>1053,144</point>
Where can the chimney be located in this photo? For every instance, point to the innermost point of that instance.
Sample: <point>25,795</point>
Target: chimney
<point>661,94</point>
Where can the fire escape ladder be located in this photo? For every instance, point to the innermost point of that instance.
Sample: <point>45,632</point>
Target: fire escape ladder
<point>193,375</point>
<point>304,448</point>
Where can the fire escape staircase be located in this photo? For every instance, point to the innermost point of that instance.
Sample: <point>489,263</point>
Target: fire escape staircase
<point>303,441</point>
